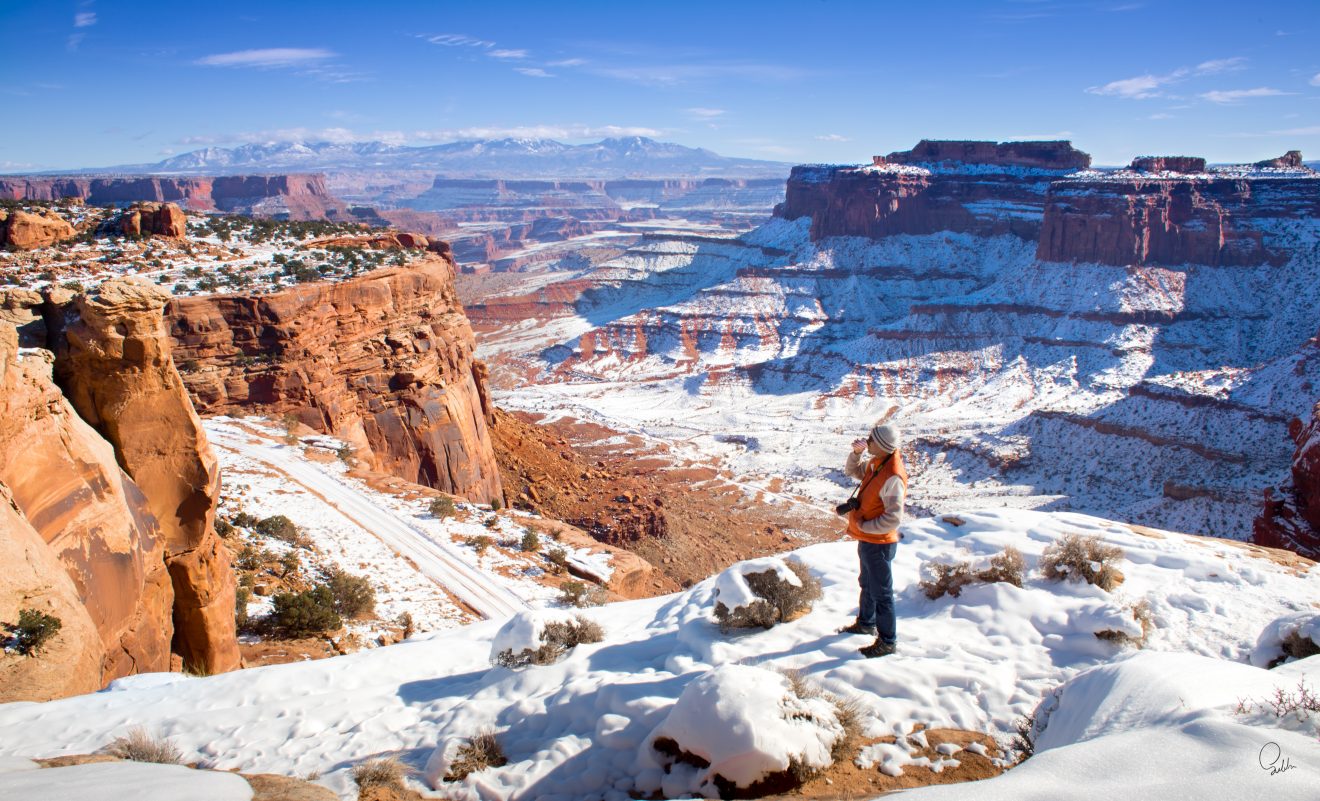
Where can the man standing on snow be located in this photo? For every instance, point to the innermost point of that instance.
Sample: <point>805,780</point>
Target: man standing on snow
<point>874,524</point>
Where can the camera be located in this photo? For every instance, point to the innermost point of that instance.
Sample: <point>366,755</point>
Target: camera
<point>847,506</point>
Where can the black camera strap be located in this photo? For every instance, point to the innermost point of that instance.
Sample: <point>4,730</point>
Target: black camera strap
<point>862,486</point>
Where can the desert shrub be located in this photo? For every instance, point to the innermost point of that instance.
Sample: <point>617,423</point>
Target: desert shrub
<point>33,630</point>
<point>406,623</point>
<point>1141,613</point>
<point>1023,742</point>
<point>491,522</point>
<point>848,711</point>
<point>480,543</point>
<point>242,596</point>
<point>558,638</point>
<point>442,507</point>
<point>139,746</point>
<point>279,527</point>
<point>778,600</point>
<point>346,455</point>
<point>387,772</point>
<point>1077,557</point>
<point>252,557</point>
<point>245,520</point>
<point>496,504</point>
<point>290,563</point>
<point>304,613</point>
<point>580,594</point>
<point>943,579</point>
<point>558,559</point>
<point>529,542</point>
<point>477,754</point>
<point>352,595</point>
<point>224,528</point>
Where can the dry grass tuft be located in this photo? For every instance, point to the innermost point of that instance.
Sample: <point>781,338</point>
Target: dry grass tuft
<point>139,746</point>
<point>387,772</point>
<point>1077,557</point>
<point>1142,614</point>
<point>477,754</point>
<point>1299,647</point>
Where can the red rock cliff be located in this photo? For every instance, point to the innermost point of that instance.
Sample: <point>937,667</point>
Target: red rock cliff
<point>97,561</point>
<point>384,361</point>
<point>1046,155</point>
<point>1291,515</point>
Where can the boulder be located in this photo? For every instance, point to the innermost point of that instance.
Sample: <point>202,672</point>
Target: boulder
<point>1292,160</point>
<point>21,230</point>
<point>154,219</point>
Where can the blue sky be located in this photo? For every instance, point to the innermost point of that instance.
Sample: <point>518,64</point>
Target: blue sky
<point>99,83</point>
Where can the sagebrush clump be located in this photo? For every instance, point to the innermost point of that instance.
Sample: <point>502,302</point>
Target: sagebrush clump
<point>580,594</point>
<point>558,638</point>
<point>442,507</point>
<point>1006,567</point>
<point>353,596</point>
<point>778,600</point>
<point>1078,557</point>
<point>279,527</point>
<point>139,746</point>
<point>303,614</point>
<point>477,754</point>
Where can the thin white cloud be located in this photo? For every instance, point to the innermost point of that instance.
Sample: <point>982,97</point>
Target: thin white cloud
<point>1315,80</point>
<point>1149,85</point>
<point>533,72</point>
<point>833,138</point>
<point>567,62</point>
<point>705,113</point>
<point>676,74</point>
<point>536,132</point>
<point>1237,95</point>
<point>1162,115</point>
<point>507,54</point>
<point>457,40</point>
<point>268,57</point>
<point>1310,130</point>
<point>84,19</point>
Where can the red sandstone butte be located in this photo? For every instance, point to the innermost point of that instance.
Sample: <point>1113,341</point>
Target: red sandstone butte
<point>154,219</point>
<point>384,361</point>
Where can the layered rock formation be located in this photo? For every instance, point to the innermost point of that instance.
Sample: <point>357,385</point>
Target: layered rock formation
<point>982,188</point>
<point>384,361</point>
<point>154,219</point>
<point>1291,515</point>
<point>118,373</point>
<point>21,230</point>
<point>98,560</point>
<point>293,196</point>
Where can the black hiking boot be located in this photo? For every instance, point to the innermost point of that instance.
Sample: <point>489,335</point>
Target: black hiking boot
<point>877,649</point>
<point>858,628</point>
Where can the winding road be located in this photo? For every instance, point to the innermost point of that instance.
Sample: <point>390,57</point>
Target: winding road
<point>437,561</point>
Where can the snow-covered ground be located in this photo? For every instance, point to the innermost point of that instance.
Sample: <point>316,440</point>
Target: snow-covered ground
<point>1166,720</point>
<point>416,562</point>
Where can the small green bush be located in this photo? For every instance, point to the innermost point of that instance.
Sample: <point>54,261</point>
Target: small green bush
<point>558,559</point>
<point>279,527</point>
<point>303,614</point>
<point>558,638</point>
<point>245,520</point>
<point>353,596</point>
<point>530,542</point>
<point>480,752</point>
<point>33,630</point>
<point>776,601</point>
<point>242,596</point>
<point>442,507</point>
<point>491,522</point>
<point>580,594</point>
<point>480,542</point>
<point>496,504</point>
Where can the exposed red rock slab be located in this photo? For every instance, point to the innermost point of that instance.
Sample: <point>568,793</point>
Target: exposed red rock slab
<point>21,230</point>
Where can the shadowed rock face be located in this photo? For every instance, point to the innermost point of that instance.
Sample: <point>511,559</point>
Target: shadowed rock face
<point>101,564</point>
<point>1291,515</point>
<point>384,361</point>
<point>118,373</point>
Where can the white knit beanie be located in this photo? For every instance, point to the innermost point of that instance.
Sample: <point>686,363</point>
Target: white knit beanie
<point>887,437</point>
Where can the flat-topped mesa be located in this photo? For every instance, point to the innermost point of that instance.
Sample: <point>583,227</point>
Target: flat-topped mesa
<point>1185,164</point>
<point>1043,155</point>
<point>1174,210</point>
<point>298,196</point>
<point>979,188</point>
<point>384,361</point>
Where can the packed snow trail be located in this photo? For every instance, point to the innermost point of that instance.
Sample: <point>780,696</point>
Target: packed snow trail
<point>433,559</point>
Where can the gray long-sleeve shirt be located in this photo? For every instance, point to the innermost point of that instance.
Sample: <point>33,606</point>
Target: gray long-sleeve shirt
<point>892,493</point>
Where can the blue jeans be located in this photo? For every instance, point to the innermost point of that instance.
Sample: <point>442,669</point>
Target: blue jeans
<point>876,605</point>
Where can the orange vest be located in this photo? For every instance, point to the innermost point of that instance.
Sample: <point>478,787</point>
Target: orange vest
<point>878,472</point>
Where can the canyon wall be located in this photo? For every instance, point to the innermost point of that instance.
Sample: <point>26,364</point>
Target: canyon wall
<point>105,460</point>
<point>1291,515</point>
<point>384,361</point>
<point>293,196</point>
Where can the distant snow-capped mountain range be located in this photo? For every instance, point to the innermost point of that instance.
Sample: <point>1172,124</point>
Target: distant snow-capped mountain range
<point>627,157</point>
